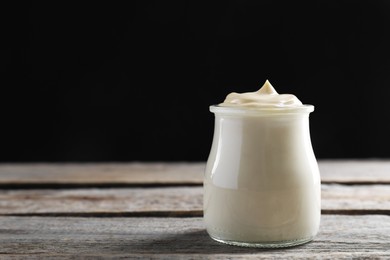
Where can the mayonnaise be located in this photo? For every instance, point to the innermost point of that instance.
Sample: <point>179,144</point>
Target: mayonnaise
<point>266,96</point>
<point>262,184</point>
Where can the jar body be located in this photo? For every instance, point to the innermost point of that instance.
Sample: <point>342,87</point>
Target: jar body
<point>262,183</point>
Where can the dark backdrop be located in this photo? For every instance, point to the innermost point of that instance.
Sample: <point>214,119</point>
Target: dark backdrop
<point>115,82</point>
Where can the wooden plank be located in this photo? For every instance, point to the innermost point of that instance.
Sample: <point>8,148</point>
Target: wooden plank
<point>336,197</point>
<point>355,171</point>
<point>104,174</point>
<point>103,201</point>
<point>173,201</point>
<point>174,238</point>
<point>133,174</point>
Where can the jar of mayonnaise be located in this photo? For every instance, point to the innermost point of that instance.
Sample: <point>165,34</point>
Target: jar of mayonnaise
<point>262,184</point>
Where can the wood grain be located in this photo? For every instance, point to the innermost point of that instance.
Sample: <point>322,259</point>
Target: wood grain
<point>173,238</point>
<point>100,174</point>
<point>355,171</point>
<point>172,201</point>
<point>156,174</point>
<point>103,201</point>
<point>356,197</point>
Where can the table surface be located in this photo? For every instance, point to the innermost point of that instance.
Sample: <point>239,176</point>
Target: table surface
<point>154,210</point>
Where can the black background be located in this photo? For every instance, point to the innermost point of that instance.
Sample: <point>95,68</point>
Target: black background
<point>115,82</point>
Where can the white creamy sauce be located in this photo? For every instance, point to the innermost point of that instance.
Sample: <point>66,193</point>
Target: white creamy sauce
<point>266,96</point>
<point>262,182</point>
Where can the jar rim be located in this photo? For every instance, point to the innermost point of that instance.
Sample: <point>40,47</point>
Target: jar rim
<point>304,109</point>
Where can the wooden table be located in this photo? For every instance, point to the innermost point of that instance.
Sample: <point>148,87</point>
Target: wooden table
<point>154,210</point>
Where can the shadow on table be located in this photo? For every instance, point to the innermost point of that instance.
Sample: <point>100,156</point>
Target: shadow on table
<point>194,242</point>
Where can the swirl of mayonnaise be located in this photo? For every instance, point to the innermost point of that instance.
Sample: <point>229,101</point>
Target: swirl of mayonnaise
<point>265,97</point>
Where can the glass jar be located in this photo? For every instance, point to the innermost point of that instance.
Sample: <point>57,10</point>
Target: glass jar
<point>262,184</point>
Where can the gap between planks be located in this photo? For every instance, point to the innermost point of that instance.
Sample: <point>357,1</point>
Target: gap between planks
<point>49,186</point>
<point>173,214</point>
<point>106,185</point>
